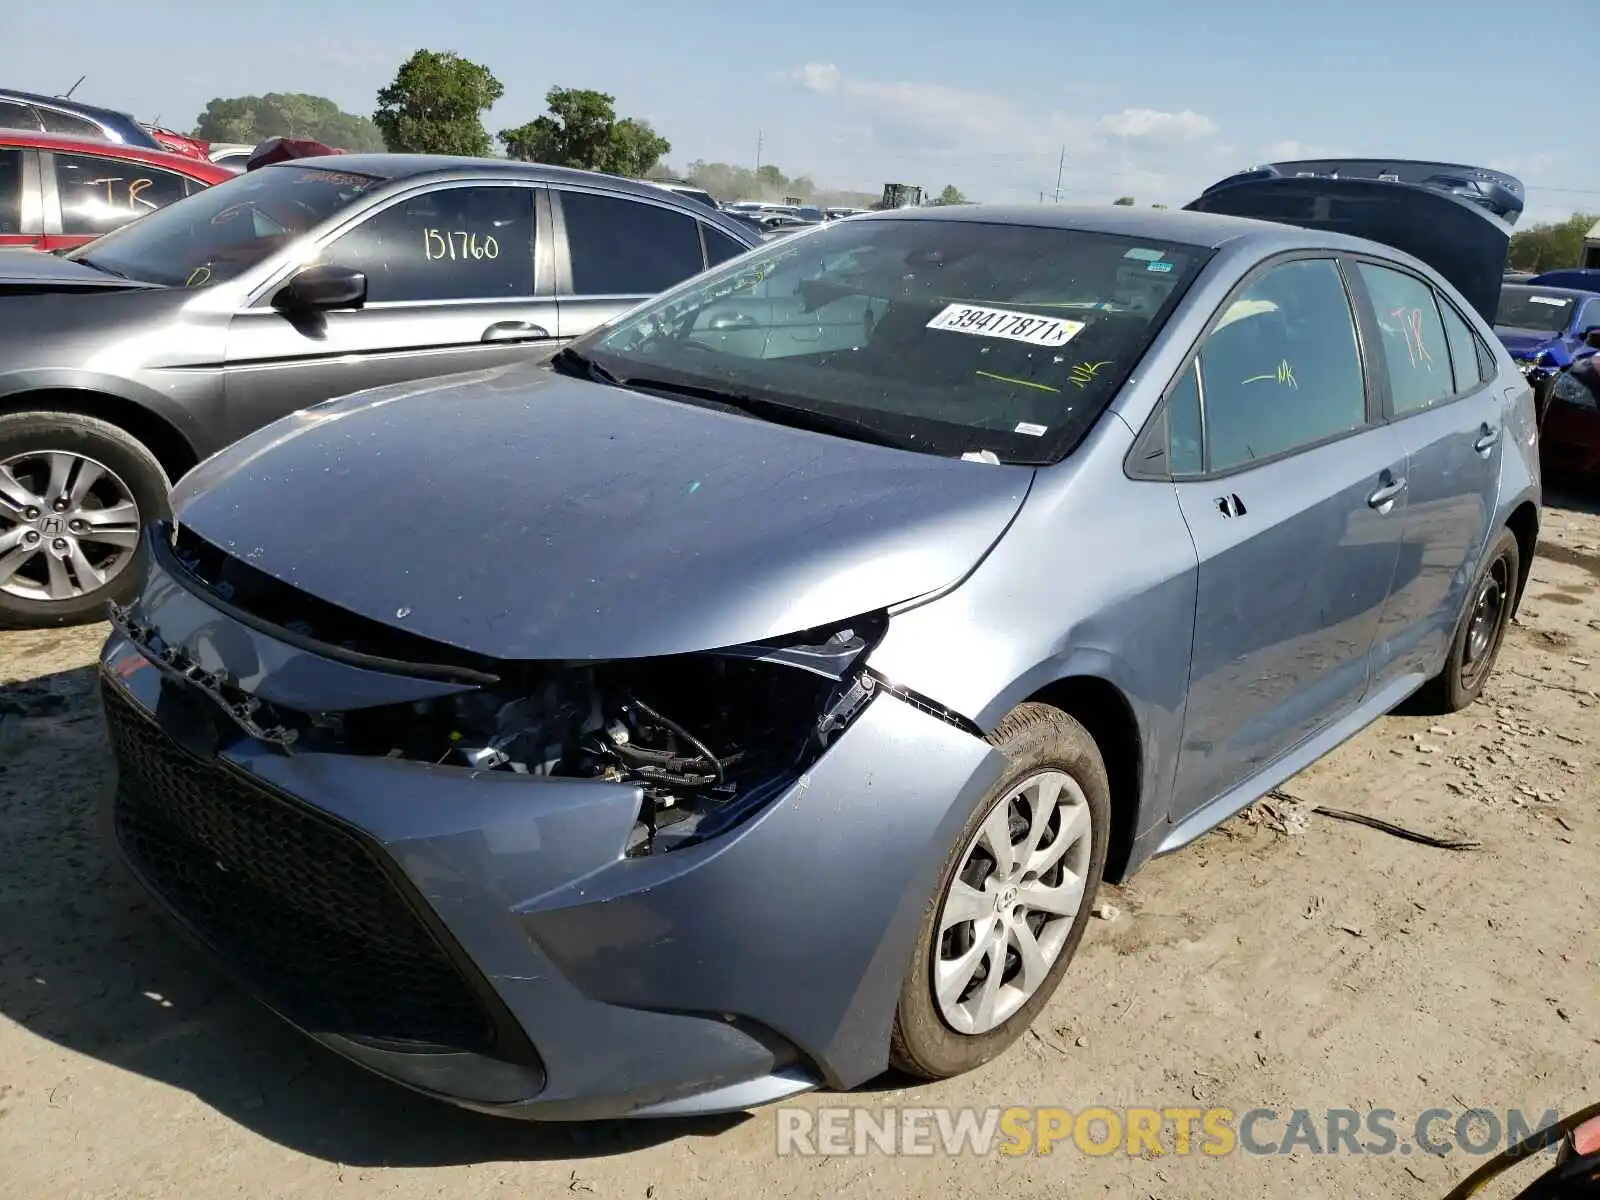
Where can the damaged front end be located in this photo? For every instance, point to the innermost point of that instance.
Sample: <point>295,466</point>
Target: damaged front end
<point>708,738</point>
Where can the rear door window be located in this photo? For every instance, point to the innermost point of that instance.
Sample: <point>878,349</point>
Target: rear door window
<point>624,247</point>
<point>720,247</point>
<point>454,243</point>
<point>100,194</point>
<point>1416,354</point>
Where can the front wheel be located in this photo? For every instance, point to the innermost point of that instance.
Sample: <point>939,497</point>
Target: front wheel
<point>1013,899</point>
<point>74,494</point>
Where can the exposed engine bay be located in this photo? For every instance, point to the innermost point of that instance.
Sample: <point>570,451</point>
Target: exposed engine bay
<point>708,737</point>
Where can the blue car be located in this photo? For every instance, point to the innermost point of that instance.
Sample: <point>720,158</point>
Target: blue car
<point>755,694</point>
<point>1532,319</point>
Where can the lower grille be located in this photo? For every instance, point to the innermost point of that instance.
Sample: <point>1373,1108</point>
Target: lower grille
<point>291,900</point>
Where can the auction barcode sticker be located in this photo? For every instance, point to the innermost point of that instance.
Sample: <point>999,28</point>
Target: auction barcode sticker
<point>1004,323</point>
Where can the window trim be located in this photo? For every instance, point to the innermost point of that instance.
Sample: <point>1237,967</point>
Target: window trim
<point>55,224</point>
<point>1141,462</point>
<point>563,272</point>
<point>259,296</point>
<point>1390,416</point>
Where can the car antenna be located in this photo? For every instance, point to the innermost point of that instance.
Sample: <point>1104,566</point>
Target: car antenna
<point>67,95</point>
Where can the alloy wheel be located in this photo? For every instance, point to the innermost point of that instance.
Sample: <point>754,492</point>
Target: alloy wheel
<point>68,525</point>
<point>1010,906</point>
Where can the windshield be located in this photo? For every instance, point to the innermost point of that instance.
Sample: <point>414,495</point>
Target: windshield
<point>216,234</point>
<point>943,335</point>
<point>1532,308</point>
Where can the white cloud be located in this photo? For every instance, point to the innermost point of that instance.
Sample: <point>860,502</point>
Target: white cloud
<point>999,148</point>
<point>1185,126</point>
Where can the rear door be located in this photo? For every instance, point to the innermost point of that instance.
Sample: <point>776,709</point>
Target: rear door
<point>21,217</point>
<point>457,279</point>
<point>620,250</point>
<point>1437,386</point>
<point>1293,490</point>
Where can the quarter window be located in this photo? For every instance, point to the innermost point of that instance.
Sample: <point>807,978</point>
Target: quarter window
<point>70,126</point>
<point>465,243</point>
<point>100,194</point>
<point>720,248</point>
<point>18,116</point>
<point>1281,371</point>
<point>1414,348</point>
<point>623,247</point>
<point>1464,360</point>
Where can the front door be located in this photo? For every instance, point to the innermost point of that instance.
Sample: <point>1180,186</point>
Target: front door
<point>450,288</point>
<point>620,252</point>
<point>1293,491</point>
<point>1449,418</point>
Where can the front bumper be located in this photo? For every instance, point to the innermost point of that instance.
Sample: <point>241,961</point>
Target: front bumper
<point>478,936</point>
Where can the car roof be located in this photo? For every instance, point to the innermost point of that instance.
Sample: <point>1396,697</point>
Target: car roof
<point>78,106</point>
<point>1168,225</point>
<point>183,164</point>
<point>398,167</point>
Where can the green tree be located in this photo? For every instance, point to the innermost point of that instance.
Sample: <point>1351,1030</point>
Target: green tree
<point>1124,201</point>
<point>951,195</point>
<point>582,130</point>
<point>1551,245</point>
<point>435,105</point>
<point>253,119</point>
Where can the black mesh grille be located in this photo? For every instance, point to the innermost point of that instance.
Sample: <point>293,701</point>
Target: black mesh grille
<point>289,899</point>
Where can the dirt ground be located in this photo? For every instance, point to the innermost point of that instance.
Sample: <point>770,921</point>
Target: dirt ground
<point>1285,960</point>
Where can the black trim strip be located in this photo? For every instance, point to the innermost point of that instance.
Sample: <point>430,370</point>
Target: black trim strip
<point>932,707</point>
<point>161,553</point>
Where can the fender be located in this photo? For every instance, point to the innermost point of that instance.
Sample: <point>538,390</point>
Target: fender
<point>15,384</point>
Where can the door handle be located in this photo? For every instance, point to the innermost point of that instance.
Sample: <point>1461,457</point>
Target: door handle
<point>514,331</point>
<point>1486,440</point>
<point>1384,496</point>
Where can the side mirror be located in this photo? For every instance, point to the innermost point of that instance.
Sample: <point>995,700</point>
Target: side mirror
<point>1591,336</point>
<point>322,288</point>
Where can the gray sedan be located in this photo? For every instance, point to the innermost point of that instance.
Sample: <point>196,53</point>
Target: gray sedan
<point>127,362</point>
<point>756,694</point>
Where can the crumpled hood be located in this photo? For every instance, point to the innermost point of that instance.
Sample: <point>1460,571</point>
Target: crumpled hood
<point>521,514</point>
<point>1524,343</point>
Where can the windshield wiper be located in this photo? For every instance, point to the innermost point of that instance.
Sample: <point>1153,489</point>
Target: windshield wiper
<point>776,412</point>
<point>569,362</point>
<point>94,266</point>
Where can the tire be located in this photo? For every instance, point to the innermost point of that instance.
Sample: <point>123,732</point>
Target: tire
<point>1473,651</point>
<point>1043,744</point>
<point>128,490</point>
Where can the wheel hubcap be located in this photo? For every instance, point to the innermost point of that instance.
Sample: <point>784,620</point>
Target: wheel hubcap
<point>68,525</point>
<point>1483,626</point>
<point>1005,919</point>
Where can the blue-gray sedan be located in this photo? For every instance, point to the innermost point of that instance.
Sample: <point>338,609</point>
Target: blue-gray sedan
<point>755,695</point>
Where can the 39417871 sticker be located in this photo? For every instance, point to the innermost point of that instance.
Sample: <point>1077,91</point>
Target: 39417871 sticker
<point>1005,323</point>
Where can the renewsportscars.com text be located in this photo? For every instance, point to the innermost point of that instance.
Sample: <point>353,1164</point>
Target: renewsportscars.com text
<point>1150,1132</point>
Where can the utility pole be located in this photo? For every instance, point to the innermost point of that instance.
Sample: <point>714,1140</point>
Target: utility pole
<point>1060,169</point>
<point>761,138</point>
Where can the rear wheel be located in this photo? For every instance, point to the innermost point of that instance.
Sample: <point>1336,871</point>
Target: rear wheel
<point>1013,899</point>
<point>74,494</point>
<point>1482,627</point>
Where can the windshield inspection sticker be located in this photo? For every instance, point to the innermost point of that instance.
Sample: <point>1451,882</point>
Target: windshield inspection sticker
<point>1143,255</point>
<point>1004,323</point>
<point>1032,430</point>
<point>1163,267</point>
<point>1558,303</point>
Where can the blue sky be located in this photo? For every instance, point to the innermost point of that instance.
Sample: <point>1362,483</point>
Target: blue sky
<point>1154,98</point>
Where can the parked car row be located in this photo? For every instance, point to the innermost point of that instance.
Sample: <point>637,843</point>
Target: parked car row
<point>124,363</point>
<point>719,706</point>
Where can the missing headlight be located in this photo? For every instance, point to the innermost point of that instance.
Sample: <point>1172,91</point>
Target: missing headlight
<point>709,738</point>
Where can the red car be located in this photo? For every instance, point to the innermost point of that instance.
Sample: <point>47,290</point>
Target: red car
<point>60,192</point>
